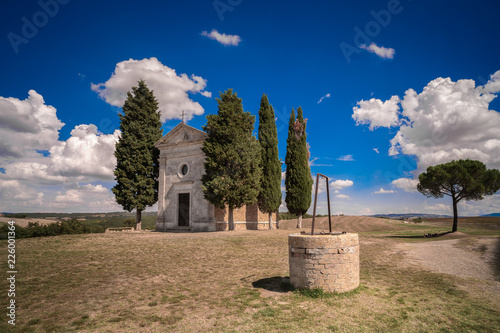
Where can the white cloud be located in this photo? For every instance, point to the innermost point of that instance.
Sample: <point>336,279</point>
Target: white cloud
<point>382,52</point>
<point>171,90</point>
<point>13,194</point>
<point>321,99</point>
<point>86,153</point>
<point>346,158</point>
<point>27,125</point>
<point>447,121</point>
<point>39,171</point>
<point>340,184</point>
<point>84,194</point>
<point>343,196</point>
<point>407,184</point>
<point>377,113</point>
<point>376,150</point>
<point>30,180</point>
<point>382,191</point>
<point>366,211</point>
<point>312,162</point>
<point>224,39</point>
<point>493,84</point>
<point>16,190</point>
<point>440,208</point>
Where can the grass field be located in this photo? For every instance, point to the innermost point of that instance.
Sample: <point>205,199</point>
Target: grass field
<point>236,282</point>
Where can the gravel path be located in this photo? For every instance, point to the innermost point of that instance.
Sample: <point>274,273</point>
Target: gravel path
<point>471,258</point>
<point>447,257</point>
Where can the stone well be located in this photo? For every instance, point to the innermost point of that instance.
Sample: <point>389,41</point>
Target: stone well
<point>329,262</point>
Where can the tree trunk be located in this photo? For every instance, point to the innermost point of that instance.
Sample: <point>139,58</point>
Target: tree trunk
<point>299,221</point>
<point>277,220</point>
<point>230,220</point>
<point>270,221</point>
<point>138,220</point>
<point>455,216</point>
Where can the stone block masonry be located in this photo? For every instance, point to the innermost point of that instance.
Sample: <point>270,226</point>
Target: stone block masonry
<point>329,262</point>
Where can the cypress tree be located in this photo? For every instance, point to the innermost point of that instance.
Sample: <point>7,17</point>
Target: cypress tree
<point>137,166</point>
<point>298,180</point>
<point>270,194</point>
<point>232,156</point>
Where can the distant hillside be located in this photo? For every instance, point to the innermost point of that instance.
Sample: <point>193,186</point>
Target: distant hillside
<point>408,216</point>
<point>492,214</point>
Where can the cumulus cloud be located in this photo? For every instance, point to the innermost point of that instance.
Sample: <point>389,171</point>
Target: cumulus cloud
<point>345,158</point>
<point>86,153</point>
<point>493,84</point>
<point>376,150</point>
<point>30,180</point>
<point>14,189</point>
<point>84,194</point>
<point>171,90</point>
<point>382,52</point>
<point>407,184</point>
<point>382,191</point>
<point>377,113</point>
<point>27,125</point>
<point>447,121</point>
<point>343,196</point>
<point>39,171</point>
<point>224,39</point>
<point>321,99</point>
<point>340,184</point>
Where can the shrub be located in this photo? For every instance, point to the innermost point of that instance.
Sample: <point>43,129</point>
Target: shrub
<point>59,228</point>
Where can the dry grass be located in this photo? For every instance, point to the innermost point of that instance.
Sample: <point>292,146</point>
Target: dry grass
<point>228,282</point>
<point>24,222</point>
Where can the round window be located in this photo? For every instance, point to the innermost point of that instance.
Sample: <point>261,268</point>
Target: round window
<point>184,169</point>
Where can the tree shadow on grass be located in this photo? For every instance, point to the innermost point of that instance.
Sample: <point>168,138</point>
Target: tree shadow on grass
<point>424,235</point>
<point>279,284</point>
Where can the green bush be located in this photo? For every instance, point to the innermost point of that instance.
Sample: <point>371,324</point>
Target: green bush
<point>16,216</point>
<point>59,228</point>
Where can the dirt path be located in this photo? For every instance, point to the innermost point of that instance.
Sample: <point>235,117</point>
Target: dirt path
<point>471,259</point>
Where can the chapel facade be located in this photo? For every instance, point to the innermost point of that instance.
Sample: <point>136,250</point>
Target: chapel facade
<point>181,205</point>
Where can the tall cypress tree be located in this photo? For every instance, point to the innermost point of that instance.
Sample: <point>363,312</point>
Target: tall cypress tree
<point>270,194</point>
<point>298,180</point>
<point>137,166</point>
<point>232,171</point>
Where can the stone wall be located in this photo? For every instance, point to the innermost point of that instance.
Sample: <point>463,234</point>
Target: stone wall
<point>245,218</point>
<point>329,262</point>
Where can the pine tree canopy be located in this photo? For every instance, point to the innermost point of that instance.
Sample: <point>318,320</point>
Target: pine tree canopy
<point>270,194</point>
<point>137,166</point>
<point>298,180</point>
<point>462,179</point>
<point>232,172</point>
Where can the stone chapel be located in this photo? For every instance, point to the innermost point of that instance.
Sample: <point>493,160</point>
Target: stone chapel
<point>181,205</point>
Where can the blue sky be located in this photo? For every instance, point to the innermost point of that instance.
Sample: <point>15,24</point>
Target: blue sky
<point>406,84</point>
